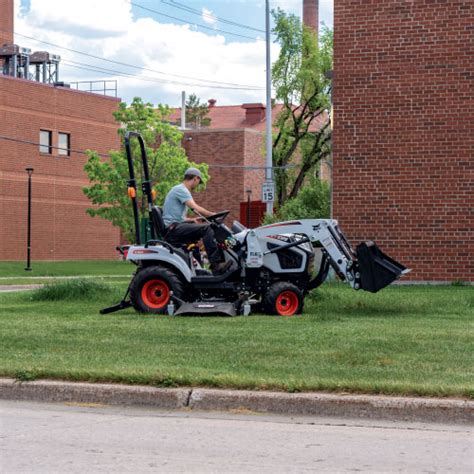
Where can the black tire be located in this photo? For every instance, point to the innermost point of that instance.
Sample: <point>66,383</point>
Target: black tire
<point>283,298</point>
<point>151,287</point>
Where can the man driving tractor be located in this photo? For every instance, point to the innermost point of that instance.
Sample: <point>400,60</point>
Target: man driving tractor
<point>181,229</point>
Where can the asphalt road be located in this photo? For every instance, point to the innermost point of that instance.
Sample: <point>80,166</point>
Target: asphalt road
<point>39,437</point>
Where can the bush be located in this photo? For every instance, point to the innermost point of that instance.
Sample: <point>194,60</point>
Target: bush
<point>312,202</point>
<point>71,290</point>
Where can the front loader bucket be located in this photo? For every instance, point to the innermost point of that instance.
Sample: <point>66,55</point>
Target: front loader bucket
<point>376,269</point>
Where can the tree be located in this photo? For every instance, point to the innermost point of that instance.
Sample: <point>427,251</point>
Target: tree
<point>166,158</point>
<point>312,202</point>
<point>302,137</point>
<point>196,113</point>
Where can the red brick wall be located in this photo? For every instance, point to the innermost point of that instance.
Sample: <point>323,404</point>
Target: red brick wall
<point>6,22</point>
<point>226,188</point>
<point>253,178</point>
<point>403,131</point>
<point>61,230</point>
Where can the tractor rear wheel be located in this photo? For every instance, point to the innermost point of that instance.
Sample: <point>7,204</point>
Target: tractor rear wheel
<point>150,291</point>
<point>283,298</point>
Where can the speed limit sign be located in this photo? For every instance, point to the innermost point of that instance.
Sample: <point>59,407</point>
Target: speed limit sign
<point>268,191</point>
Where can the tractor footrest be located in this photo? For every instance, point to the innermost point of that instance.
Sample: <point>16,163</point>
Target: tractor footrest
<point>207,308</point>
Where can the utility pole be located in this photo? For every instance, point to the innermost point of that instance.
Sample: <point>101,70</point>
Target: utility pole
<point>183,110</point>
<point>269,185</point>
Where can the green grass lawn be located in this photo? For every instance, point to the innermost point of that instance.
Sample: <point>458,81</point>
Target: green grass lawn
<point>13,273</point>
<point>403,340</point>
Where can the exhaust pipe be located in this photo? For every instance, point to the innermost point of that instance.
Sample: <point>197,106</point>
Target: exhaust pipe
<point>376,269</point>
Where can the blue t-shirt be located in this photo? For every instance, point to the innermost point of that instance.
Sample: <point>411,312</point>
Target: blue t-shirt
<point>174,209</point>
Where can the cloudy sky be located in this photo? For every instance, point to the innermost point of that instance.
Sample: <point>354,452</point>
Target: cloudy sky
<point>157,48</point>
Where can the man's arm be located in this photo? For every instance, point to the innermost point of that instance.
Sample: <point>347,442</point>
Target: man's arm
<point>192,205</point>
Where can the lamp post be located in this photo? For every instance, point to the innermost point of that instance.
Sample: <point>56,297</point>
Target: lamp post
<point>268,160</point>
<point>28,247</point>
<point>249,193</point>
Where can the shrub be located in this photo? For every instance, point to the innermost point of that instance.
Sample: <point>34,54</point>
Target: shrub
<point>312,202</point>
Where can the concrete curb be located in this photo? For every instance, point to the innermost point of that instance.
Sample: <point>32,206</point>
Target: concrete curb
<point>317,404</point>
<point>109,394</point>
<point>335,405</point>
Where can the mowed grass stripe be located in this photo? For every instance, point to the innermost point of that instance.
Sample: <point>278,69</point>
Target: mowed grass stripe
<point>403,340</point>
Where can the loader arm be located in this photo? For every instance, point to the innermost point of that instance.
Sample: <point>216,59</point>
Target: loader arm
<point>366,268</point>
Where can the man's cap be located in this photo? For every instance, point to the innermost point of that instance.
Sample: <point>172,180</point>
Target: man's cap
<point>193,172</point>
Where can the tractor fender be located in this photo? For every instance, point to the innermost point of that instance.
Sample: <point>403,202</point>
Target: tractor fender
<point>158,254</point>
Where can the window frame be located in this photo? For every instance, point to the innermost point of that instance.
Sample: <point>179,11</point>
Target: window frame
<point>64,151</point>
<point>49,146</point>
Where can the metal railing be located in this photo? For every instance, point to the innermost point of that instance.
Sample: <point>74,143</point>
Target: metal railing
<point>108,87</point>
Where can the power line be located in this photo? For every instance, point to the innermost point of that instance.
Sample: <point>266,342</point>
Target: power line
<point>103,155</point>
<point>150,10</point>
<point>120,63</point>
<point>100,69</point>
<point>194,11</point>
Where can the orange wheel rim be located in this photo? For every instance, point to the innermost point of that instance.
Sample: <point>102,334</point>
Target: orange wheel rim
<point>156,294</point>
<point>287,303</point>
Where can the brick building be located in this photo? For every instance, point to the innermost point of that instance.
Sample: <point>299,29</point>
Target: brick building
<point>236,164</point>
<point>31,112</point>
<point>235,137</point>
<point>56,116</point>
<point>6,22</point>
<point>403,131</point>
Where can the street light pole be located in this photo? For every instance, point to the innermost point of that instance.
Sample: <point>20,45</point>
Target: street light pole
<point>28,245</point>
<point>269,160</point>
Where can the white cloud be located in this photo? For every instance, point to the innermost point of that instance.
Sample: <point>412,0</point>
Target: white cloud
<point>104,18</point>
<point>208,16</point>
<point>108,29</point>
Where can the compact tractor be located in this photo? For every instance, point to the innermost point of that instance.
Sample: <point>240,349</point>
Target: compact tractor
<point>272,268</point>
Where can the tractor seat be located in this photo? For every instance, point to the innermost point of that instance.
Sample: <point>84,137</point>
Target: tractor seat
<point>160,230</point>
<point>157,221</point>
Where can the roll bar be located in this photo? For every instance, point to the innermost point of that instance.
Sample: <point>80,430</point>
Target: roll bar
<point>132,182</point>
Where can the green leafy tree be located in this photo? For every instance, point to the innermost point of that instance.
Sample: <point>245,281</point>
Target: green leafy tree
<point>196,113</point>
<point>166,159</point>
<point>312,202</point>
<point>302,135</point>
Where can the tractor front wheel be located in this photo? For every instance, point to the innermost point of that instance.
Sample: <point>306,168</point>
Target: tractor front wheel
<point>150,291</point>
<point>283,298</point>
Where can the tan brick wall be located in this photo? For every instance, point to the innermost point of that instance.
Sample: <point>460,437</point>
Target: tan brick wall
<point>403,131</point>
<point>61,229</point>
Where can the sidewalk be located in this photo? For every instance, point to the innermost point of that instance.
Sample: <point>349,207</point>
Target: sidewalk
<point>439,410</point>
<point>47,279</point>
<point>12,288</point>
<point>62,277</point>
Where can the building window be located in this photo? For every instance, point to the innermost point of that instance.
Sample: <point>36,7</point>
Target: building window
<point>46,142</point>
<point>64,144</point>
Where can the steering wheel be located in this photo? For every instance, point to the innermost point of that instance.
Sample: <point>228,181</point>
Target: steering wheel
<point>218,217</point>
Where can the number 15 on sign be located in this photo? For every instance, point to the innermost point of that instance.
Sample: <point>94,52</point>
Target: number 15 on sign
<point>268,192</point>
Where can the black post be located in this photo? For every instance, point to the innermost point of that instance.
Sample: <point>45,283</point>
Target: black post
<point>249,192</point>
<point>28,248</point>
